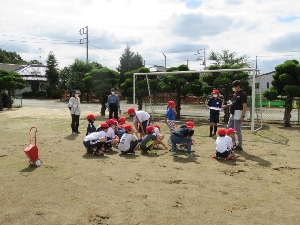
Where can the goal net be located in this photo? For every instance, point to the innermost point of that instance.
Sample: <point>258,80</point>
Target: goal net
<point>190,109</point>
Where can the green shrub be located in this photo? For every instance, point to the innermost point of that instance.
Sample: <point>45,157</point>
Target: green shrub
<point>39,94</point>
<point>55,94</point>
<point>27,94</point>
<point>4,97</point>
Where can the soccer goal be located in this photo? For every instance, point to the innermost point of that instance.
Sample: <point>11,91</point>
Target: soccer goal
<point>255,111</point>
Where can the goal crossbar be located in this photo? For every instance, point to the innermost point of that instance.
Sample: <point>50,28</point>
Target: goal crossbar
<point>253,70</point>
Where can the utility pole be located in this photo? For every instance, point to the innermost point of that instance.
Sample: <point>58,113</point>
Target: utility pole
<point>165,60</point>
<point>202,58</point>
<point>81,32</point>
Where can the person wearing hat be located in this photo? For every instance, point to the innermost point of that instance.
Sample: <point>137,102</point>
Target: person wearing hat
<point>141,120</point>
<point>223,146</point>
<point>128,141</point>
<point>149,141</point>
<point>113,104</point>
<point>214,104</point>
<point>96,140</point>
<point>238,106</point>
<point>170,117</point>
<point>75,110</point>
<point>230,134</point>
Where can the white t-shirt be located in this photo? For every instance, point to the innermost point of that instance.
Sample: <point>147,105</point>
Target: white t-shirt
<point>156,132</point>
<point>231,141</point>
<point>110,133</point>
<point>223,144</point>
<point>141,116</point>
<point>125,140</point>
<point>95,136</point>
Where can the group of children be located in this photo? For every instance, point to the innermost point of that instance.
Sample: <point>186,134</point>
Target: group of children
<point>125,136</point>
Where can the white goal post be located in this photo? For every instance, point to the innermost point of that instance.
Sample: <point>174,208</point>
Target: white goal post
<point>255,73</point>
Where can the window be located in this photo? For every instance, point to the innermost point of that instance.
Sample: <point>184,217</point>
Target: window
<point>268,86</point>
<point>256,85</point>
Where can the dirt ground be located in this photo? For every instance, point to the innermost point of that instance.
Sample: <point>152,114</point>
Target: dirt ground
<point>260,187</point>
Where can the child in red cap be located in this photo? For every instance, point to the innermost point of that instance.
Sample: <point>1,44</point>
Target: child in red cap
<point>214,105</point>
<point>128,141</point>
<point>223,146</point>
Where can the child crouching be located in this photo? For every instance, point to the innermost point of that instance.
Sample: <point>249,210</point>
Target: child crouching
<point>128,141</point>
<point>223,146</point>
<point>96,139</point>
<point>148,141</point>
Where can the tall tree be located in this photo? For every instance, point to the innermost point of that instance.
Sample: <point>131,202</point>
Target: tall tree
<point>180,85</point>
<point>77,71</point>
<point>52,72</point>
<point>129,62</point>
<point>286,82</point>
<point>222,81</point>
<point>230,58</point>
<point>101,81</point>
<point>141,86</point>
<point>10,81</point>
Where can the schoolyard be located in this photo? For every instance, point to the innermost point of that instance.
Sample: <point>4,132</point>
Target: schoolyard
<point>261,186</point>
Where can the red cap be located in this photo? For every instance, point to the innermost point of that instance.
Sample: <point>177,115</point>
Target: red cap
<point>149,129</point>
<point>128,127</point>
<point>171,103</point>
<point>230,131</point>
<point>90,116</point>
<point>104,125</point>
<point>110,121</point>
<point>130,110</point>
<point>222,132</point>
<point>122,120</point>
<point>215,91</point>
<point>189,124</point>
<point>156,125</point>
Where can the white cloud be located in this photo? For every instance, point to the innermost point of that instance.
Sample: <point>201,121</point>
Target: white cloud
<point>178,28</point>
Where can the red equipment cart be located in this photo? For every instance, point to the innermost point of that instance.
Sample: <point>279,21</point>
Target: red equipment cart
<point>32,151</point>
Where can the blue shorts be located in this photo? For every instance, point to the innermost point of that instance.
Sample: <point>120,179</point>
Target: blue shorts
<point>214,117</point>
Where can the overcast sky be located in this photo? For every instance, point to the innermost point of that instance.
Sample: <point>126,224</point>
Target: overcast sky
<point>179,29</point>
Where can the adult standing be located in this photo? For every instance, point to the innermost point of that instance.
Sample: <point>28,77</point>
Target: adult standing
<point>75,110</point>
<point>113,104</point>
<point>141,120</point>
<point>238,109</point>
<point>214,104</point>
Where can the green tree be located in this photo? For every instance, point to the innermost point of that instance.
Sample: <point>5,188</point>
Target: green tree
<point>230,58</point>
<point>129,62</point>
<point>34,61</point>
<point>286,82</point>
<point>52,72</point>
<point>78,69</point>
<point>101,81</point>
<point>222,81</point>
<point>11,57</point>
<point>10,81</point>
<point>182,85</point>
<point>141,86</point>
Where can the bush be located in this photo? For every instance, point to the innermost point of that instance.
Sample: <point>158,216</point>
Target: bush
<point>4,97</point>
<point>55,94</point>
<point>27,94</point>
<point>39,94</point>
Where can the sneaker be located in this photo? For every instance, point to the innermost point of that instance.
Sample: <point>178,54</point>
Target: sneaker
<point>74,133</point>
<point>89,151</point>
<point>98,154</point>
<point>210,135</point>
<point>174,153</point>
<point>229,157</point>
<point>215,156</point>
<point>151,152</point>
<point>190,154</point>
<point>214,134</point>
<point>238,148</point>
